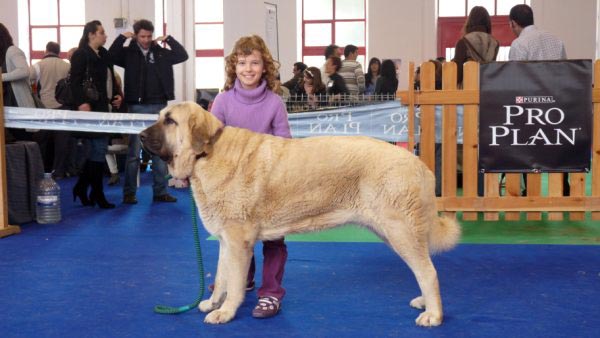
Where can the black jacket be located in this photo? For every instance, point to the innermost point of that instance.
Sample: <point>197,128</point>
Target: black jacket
<point>98,64</point>
<point>132,59</point>
<point>337,85</point>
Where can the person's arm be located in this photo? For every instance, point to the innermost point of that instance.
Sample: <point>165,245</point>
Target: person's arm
<point>281,125</point>
<point>17,58</point>
<point>460,57</point>
<point>360,78</point>
<point>34,72</point>
<point>178,53</point>
<point>116,51</point>
<point>291,83</point>
<point>218,108</point>
<point>78,70</point>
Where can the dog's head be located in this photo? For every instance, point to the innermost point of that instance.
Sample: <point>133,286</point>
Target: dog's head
<point>183,133</point>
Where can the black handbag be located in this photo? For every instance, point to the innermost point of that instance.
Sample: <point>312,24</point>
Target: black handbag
<point>62,92</point>
<point>64,95</point>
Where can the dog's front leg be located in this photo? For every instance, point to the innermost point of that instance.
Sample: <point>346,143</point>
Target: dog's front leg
<point>236,260</point>
<point>219,293</point>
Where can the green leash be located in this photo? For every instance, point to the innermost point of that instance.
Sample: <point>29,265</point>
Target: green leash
<point>168,310</point>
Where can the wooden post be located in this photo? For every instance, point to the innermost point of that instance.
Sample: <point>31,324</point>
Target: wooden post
<point>427,125</point>
<point>470,137</point>
<point>411,106</point>
<point>449,149</point>
<point>5,228</point>
<point>596,140</point>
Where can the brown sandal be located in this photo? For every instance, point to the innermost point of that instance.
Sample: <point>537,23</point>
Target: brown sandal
<point>267,307</point>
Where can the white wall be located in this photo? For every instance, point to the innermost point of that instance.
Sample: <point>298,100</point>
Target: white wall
<point>403,29</point>
<point>574,22</point>
<point>246,17</point>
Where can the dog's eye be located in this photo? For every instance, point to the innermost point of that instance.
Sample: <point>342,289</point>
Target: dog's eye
<point>169,120</point>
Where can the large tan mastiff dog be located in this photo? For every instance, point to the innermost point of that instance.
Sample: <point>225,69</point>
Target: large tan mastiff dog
<point>251,187</point>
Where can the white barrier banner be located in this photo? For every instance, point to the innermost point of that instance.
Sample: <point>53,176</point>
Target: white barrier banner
<point>387,121</point>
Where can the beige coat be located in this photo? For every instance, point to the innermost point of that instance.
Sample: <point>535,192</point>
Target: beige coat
<point>48,72</point>
<point>17,72</point>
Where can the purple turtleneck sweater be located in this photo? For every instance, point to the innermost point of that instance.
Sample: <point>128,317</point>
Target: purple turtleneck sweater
<point>258,109</point>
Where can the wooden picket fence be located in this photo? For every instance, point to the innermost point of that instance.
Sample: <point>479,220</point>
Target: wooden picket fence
<point>500,198</point>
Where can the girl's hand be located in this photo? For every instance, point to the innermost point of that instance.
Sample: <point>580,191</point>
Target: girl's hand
<point>85,107</point>
<point>117,101</point>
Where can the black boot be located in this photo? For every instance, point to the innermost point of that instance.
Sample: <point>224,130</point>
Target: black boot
<point>97,194</point>
<point>81,187</point>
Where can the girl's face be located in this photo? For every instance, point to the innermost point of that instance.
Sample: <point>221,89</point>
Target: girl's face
<point>308,79</point>
<point>249,69</point>
<point>375,67</point>
<point>98,38</point>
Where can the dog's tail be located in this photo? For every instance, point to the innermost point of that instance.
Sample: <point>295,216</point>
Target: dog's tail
<point>444,235</point>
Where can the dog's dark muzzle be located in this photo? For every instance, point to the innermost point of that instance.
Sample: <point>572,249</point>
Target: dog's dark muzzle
<point>153,146</point>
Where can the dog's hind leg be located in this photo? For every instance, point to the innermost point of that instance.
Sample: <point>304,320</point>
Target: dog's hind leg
<point>412,247</point>
<point>237,255</point>
<point>219,293</point>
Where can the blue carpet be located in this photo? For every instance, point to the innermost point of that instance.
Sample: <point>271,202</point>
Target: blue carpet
<point>99,273</point>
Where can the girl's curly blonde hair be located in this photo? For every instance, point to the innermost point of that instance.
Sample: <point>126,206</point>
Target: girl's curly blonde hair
<point>244,46</point>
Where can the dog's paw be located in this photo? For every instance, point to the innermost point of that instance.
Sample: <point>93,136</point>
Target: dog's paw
<point>418,303</point>
<point>207,306</point>
<point>219,317</point>
<point>428,319</point>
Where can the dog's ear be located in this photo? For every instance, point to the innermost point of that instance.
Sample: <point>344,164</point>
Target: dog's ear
<point>204,127</point>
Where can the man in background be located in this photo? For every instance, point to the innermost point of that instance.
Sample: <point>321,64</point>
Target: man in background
<point>294,84</point>
<point>534,44</point>
<point>46,74</point>
<point>149,85</point>
<point>352,71</point>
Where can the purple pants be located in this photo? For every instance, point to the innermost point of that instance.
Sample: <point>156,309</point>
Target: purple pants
<point>275,255</point>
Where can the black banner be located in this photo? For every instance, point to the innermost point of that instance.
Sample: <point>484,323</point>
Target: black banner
<point>535,116</point>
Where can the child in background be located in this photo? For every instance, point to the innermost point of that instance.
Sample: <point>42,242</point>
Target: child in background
<point>250,101</point>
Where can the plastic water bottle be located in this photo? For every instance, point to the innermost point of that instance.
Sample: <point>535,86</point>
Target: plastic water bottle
<point>48,201</point>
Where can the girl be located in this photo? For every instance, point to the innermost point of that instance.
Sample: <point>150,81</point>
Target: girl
<point>387,83</point>
<point>313,86</point>
<point>372,75</point>
<point>250,101</point>
<point>91,60</point>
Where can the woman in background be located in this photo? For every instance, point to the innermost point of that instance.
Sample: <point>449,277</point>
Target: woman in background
<point>477,42</point>
<point>15,80</point>
<point>372,75</point>
<point>91,60</point>
<point>313,86</point>
<point>387,83</point>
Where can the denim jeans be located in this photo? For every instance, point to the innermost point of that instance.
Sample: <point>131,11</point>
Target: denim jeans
<point>97,148</point>
<point>132,166</point>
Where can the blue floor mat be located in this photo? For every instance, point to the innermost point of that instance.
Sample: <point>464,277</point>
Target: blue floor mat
<point>99,273</point>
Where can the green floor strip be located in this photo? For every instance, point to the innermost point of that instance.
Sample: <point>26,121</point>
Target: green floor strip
<point>480,232</point>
